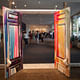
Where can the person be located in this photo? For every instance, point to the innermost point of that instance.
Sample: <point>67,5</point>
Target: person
<point>42,37</point>
<point>30,37</point>
<point>37,37</point>
<point>26,38</point>
<point>33,35</point>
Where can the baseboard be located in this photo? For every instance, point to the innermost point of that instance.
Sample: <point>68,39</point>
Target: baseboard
<point>41,66</point>
<point>75,64</point>
<point>38,66</point>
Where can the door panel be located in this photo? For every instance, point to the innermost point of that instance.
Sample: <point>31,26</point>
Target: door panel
<point>12,42</point>
<point>62,40</point>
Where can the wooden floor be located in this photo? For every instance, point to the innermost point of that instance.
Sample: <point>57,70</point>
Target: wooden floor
<point>39,74</point>
<point>2,74</point>
<point>43,74</point>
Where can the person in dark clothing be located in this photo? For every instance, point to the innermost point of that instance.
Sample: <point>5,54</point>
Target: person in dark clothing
<point>42,37</point>
<point>37,37</point>
<point>30,37</point>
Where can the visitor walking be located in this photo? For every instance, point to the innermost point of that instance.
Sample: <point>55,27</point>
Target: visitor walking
<point>26,38</point>
<point>37,37</point>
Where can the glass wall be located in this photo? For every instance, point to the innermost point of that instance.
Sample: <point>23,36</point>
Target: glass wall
<point>76,25</point>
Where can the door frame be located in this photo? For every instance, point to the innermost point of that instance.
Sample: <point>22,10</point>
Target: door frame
<point>45,11</point>
<point>36,11</point>
<point>40,11</point>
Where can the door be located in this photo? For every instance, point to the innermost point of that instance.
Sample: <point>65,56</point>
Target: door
<point>12,42</point>
<point>62,40</point>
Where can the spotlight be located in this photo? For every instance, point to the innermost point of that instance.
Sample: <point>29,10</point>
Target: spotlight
<point>13,3</point>
<point>56,6</point>
<point>15,6</point>
<point>39,2</point>
<point>25,5</point>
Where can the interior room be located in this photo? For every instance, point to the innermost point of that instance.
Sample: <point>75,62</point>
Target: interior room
<point>36,44</point>
<point>44,51</point>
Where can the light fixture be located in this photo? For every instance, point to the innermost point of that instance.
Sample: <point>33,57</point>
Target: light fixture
<point>15,6</point>
<point>56,6</point>
<point>39,2</point>
<point>25,5</point>
<point>13,3</point>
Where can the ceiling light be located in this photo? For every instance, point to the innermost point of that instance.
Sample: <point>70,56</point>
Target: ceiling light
<point>15,6</point>
<point>39,2</point>
<point>25,5</point>
<point>13,3</point>
<point>56,6</point>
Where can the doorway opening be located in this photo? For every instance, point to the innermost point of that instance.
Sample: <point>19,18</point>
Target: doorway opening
<point>38,51</point>
<point>41,50</point>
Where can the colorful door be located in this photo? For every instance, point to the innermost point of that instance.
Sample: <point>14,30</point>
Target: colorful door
<point>12,42</point>
<point>62,40</point>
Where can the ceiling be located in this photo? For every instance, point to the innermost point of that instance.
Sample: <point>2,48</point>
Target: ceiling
<point>38,19</point>
<point>41,4</point>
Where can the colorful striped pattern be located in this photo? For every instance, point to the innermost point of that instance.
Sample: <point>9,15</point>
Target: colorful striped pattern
<point>13,39</point>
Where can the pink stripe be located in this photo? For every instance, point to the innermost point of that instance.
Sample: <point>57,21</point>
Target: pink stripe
<point>16,42</point>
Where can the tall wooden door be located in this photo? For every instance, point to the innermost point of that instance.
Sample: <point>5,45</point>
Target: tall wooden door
<point>12,42</point>
<point>62,40</point>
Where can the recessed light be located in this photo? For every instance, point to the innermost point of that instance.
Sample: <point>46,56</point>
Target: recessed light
<point>25,5</point>
<point>56,6</point>
<point>13,3</point>
<point>39,2</point>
